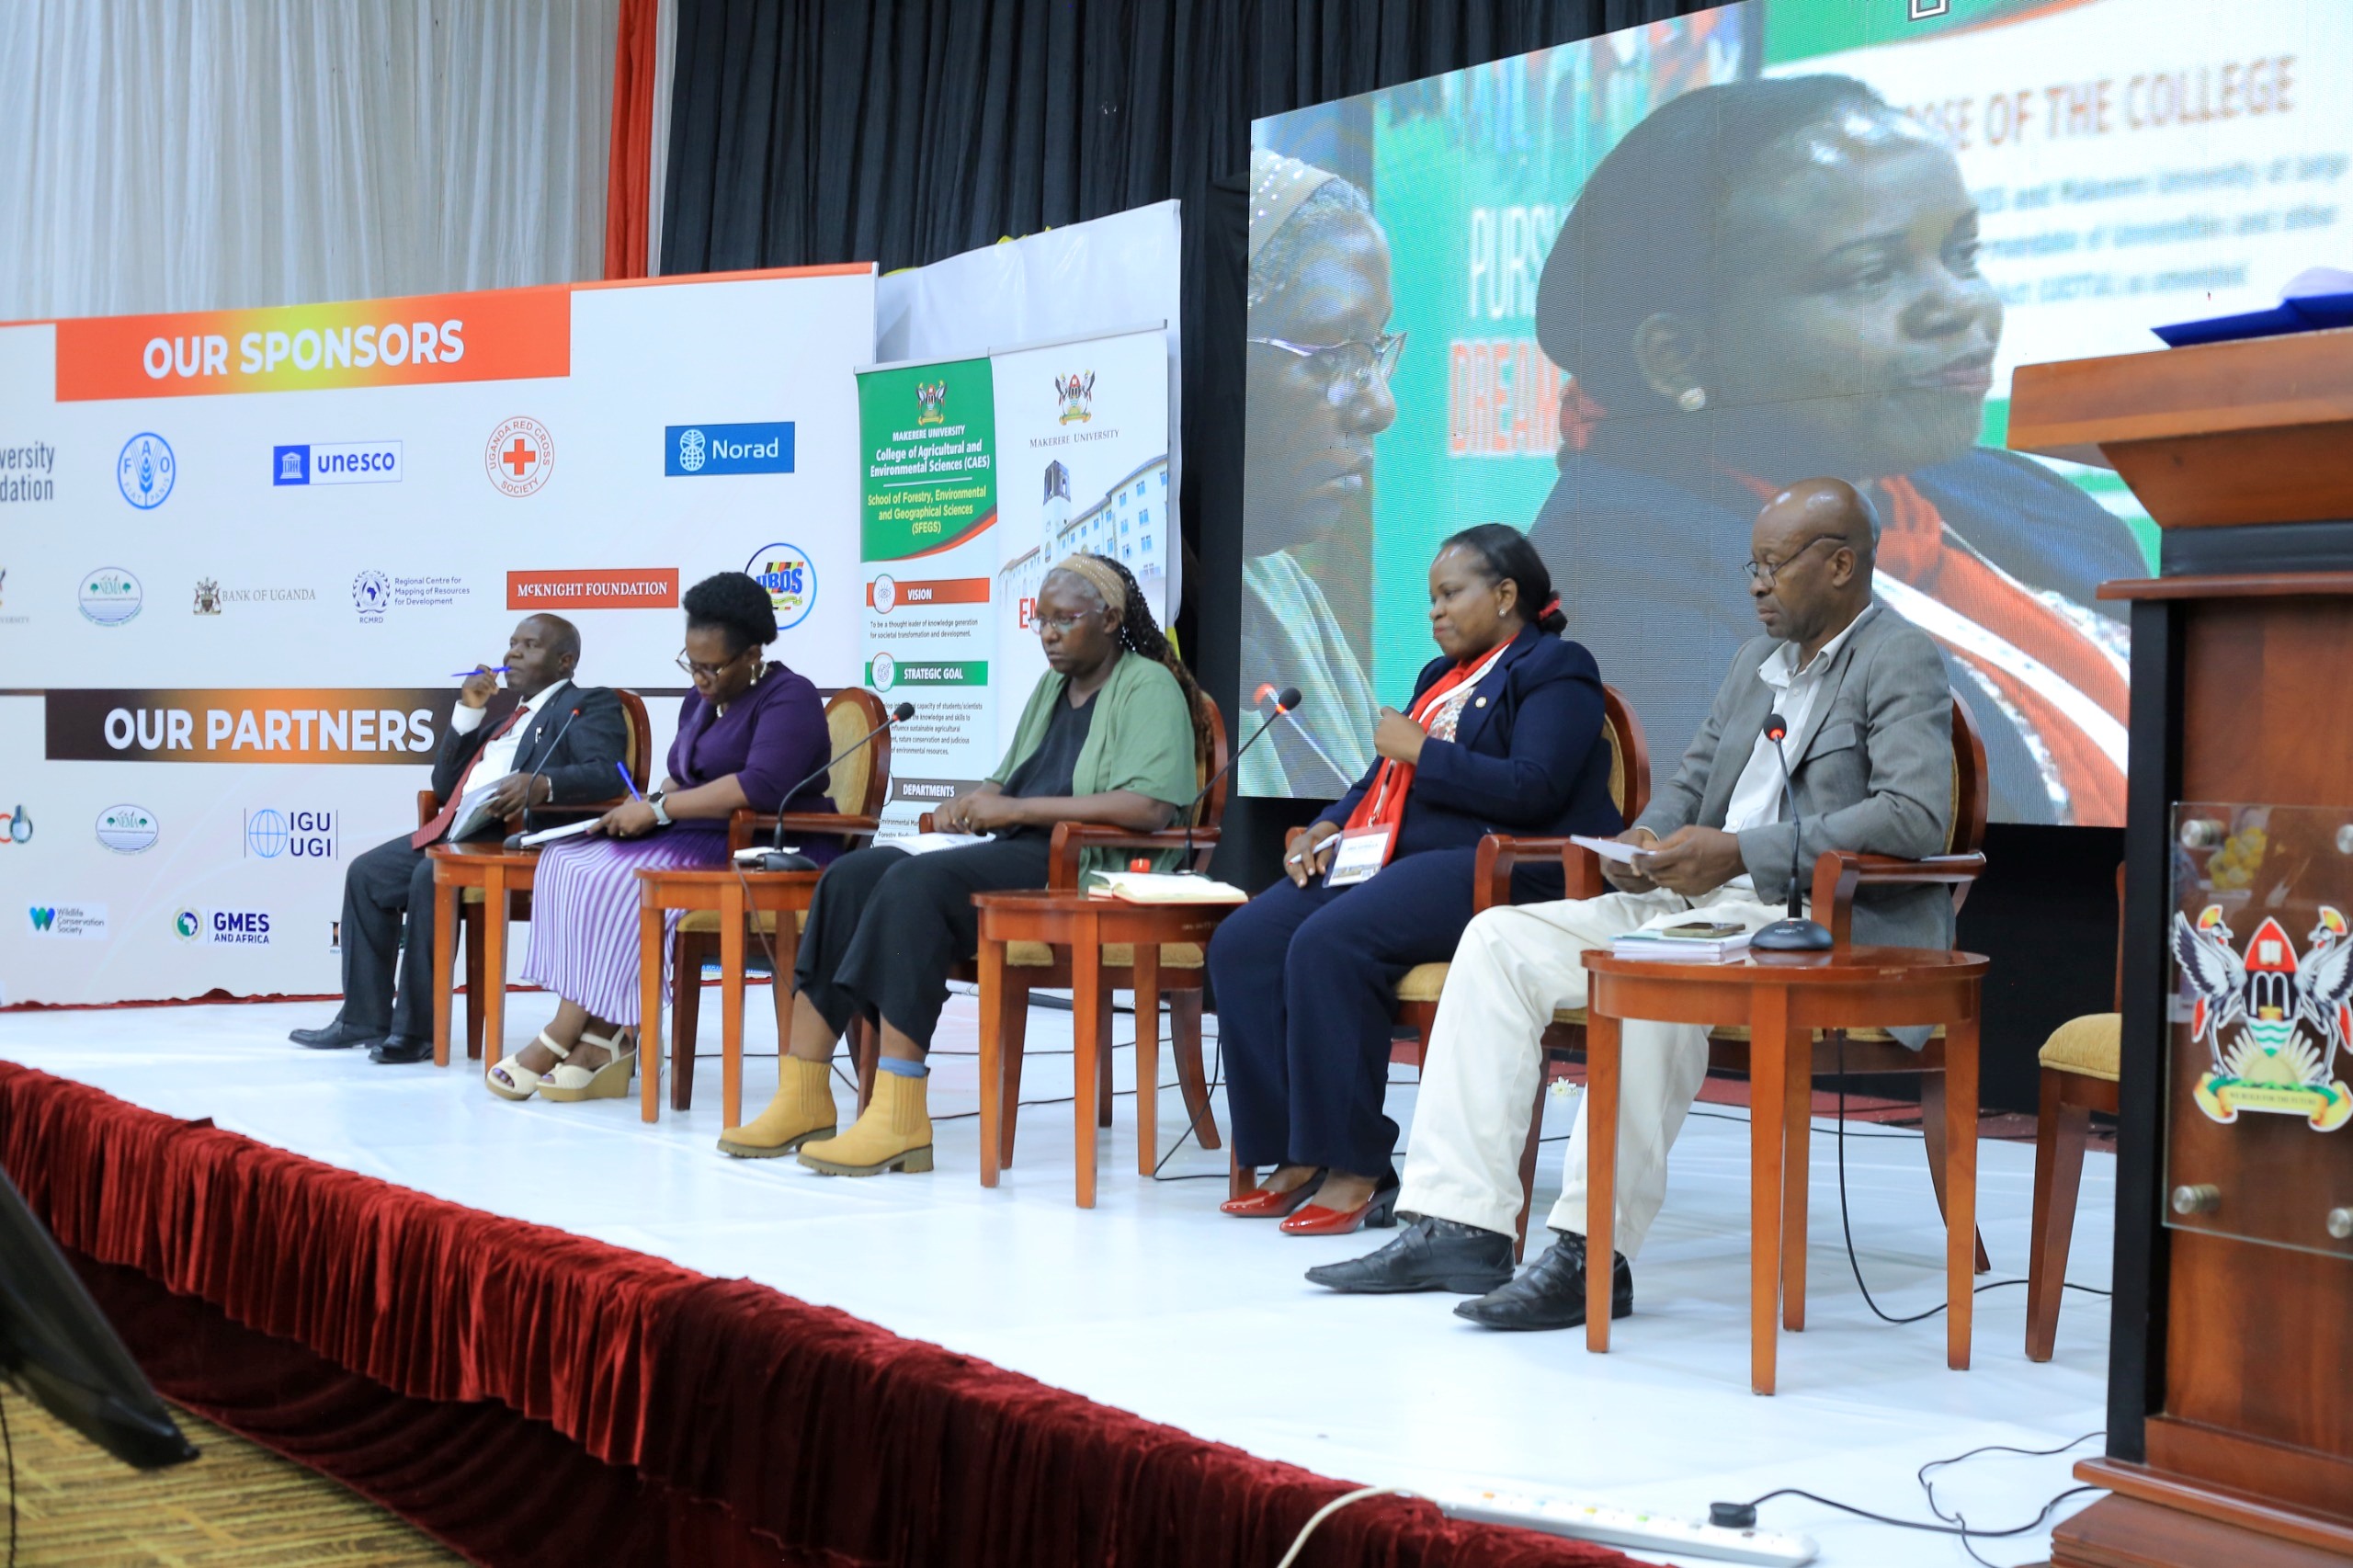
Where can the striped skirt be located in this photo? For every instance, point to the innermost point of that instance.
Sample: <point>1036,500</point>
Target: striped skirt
<point>583,914</point>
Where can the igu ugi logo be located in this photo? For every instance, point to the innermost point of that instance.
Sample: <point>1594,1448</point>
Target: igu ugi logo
<point>146,470</point>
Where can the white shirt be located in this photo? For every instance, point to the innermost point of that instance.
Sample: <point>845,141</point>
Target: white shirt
<point>496,759</point>
<point>1756,797</point>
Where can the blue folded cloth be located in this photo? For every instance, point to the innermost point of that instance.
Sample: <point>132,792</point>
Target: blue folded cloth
<point>2315,300</point>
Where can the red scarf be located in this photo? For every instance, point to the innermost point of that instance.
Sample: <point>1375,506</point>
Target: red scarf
<point>1383,805</point>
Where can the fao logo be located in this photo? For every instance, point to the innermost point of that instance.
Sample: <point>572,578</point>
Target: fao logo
<point>146,470</point>
<point>785,571</point>
<point>691,450</point>
<point>371,593</point>
<point>520,457</point>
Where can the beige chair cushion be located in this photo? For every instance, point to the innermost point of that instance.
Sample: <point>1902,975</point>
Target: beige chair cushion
<point>707,920</point>
<point>1116,955</point>
<point>845,724</point>
<point>2092,1046</point>
<point>1423,982</point>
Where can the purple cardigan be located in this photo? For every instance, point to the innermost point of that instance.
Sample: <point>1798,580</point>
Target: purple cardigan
<point>771,737</point>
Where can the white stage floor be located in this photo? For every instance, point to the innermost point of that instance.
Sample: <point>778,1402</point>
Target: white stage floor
<point>1156,1302</point>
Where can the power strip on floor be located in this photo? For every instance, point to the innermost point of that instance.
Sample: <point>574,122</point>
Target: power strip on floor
<point>1678,1535</point>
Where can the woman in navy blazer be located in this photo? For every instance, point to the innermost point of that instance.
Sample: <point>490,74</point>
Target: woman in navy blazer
<point>1306,972</point>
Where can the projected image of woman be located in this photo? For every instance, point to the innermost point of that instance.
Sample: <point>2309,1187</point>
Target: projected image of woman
<point>1318,393</point>
<point>1766,280</point>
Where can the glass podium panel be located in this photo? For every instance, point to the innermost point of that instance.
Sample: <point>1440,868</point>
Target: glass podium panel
<point>2260,1024</point>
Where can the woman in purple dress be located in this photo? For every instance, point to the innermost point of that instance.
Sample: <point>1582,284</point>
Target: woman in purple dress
<point>747,732</point>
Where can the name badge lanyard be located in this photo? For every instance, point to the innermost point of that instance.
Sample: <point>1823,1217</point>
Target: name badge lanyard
<point>1364,850</point>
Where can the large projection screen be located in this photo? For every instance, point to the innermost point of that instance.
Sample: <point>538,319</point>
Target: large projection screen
<point>1646,280</point>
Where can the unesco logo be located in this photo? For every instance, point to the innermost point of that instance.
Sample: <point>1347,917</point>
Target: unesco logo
<point>146,470</point>
<point>690,450</point>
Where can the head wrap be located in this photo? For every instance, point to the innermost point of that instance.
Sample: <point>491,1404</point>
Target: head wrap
<point>1098,575</point>
<point>1279,185</point>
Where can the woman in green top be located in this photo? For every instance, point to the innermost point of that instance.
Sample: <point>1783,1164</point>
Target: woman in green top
<point>1107,737</point>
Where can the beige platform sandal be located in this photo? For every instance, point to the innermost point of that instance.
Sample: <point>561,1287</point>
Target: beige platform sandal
<point>569,1084</point>
<point>510,1080</point>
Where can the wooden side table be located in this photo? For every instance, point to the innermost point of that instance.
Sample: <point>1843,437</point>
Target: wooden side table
<point>497,871</point>
<point>733,895</point>
<point>1784,997</point>
<point>1082,925</point>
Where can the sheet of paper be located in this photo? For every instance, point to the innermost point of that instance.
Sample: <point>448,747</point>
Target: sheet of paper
<point>473,813</point>
<point>569,830</point>
<point>1608,849</point>
<point>926,843</point>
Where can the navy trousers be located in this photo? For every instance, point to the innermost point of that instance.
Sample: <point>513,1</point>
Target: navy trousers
<point>1306,998</point>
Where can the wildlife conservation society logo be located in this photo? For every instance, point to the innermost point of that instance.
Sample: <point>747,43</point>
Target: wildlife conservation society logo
<point>2272,1026</point>
<point>146,470</point>
<point>520,457</point>
<point>785,571</point>
<point>1075,393</point>
<point>109,595</point>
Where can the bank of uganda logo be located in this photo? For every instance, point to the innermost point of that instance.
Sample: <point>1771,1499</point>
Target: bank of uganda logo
<point>1075,393</point>
<point>690,450</point>
<point>2272,1027</point>
<point>931,402</point>
<point>146,470</point>
<point>520,457</point>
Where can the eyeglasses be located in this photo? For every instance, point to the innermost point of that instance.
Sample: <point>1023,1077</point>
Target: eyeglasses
<point>1061,623</point>
<point>705,671</point>
<point>1762,571</point>
<point>1346,368</point>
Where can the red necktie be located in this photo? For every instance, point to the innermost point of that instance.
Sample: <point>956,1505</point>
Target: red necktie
<point>430,833</point>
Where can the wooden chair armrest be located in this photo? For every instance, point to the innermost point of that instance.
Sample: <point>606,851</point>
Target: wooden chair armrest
<point>745,824</point>
<point>428,806</point>
<point>1072,839</point>
<point>1501,853</point>
<point>1838,872</point>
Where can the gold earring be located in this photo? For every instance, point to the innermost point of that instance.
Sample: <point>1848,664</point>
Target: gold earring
<point>1693,400</point>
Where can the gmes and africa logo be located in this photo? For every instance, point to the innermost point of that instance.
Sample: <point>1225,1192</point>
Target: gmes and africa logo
<point>931,402</point>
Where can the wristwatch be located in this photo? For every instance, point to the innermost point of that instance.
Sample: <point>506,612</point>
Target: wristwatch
<point>659,816</point>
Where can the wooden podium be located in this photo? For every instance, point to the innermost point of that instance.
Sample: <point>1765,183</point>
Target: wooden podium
<point>2230,1428</point>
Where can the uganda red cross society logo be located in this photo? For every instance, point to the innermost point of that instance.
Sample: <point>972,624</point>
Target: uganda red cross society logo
<point>520,456</point>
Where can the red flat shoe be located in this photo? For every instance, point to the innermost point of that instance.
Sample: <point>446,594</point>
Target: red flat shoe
<point>1261,1204</point>
<point>1378,1212</point>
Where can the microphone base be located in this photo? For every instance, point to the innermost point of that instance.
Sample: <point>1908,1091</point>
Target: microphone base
<point>786,860</point>
<point>1792,937</point>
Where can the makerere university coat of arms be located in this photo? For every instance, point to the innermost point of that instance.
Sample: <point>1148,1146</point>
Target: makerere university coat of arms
<point>2272,1026</point>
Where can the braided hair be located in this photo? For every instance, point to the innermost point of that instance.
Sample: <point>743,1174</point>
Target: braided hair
<point>1140,634</point>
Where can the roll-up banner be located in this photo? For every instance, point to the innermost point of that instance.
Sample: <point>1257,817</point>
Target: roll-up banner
<point>981,473</point>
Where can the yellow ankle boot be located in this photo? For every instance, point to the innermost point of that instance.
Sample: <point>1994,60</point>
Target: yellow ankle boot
<point>803,1109</point>
<point>892,1133</point>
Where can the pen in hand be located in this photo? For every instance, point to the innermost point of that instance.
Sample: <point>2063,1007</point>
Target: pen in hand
<point>485,670</point>
<point>627,782</point>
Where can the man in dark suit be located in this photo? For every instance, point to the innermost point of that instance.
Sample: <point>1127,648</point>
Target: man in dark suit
<point>559,747</point>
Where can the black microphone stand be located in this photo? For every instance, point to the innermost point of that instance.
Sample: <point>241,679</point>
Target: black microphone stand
<point>1793,932</point>
<point>515,840</point>
<point>1287,701</point>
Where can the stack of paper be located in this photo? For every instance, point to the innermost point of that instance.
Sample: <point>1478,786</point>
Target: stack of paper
<point>1163,887</point>
<point>1658,945</point>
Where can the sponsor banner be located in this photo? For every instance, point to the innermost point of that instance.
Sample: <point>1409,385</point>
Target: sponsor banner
<point>640,587</point>
<point>336,462</point>
<point>286,727</point>
<point>511,335</point>
<point>298,833</point>
<point>223,927</point>
<point>886,593</point>
<point>78,922</point>
<point>705,451</point>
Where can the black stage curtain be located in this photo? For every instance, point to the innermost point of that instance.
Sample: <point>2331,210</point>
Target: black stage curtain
<point>902,132</point>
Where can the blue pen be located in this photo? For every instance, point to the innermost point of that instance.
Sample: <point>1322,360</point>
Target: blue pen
<point>469,674</point>
<point>627,782</point>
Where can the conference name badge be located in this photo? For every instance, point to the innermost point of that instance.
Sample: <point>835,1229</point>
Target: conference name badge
<point>1362,852</point>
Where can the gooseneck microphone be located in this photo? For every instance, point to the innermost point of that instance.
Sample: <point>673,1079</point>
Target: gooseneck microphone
<point>1794,933</point>
<point>1287,701</point>
<point>515,840</point>
<point>777,857</point>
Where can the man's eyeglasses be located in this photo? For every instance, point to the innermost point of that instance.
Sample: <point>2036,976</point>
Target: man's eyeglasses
<point>706,671</point>
<point>1345,369</point>
<point>1765,571</point>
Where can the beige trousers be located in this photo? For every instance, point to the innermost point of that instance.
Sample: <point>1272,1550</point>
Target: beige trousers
<point>1514,968</point>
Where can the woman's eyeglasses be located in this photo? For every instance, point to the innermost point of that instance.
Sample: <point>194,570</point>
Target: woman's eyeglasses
<point>1060,624</point>
<point>706,671</point>
<point>1345,369</point>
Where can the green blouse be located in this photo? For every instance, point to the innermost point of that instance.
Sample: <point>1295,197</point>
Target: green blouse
<point>1141,740</point>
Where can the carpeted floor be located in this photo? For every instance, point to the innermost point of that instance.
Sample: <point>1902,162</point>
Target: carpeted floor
<point>237,1506</point>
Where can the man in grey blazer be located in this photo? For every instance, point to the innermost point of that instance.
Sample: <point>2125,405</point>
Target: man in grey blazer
<point>1870,746</point>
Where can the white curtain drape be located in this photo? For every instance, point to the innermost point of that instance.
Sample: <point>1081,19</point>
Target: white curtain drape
<point>201,154</point>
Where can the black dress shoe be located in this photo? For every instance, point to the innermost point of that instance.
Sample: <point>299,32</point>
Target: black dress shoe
<point>1550,1294</point>
<point>400,1050</point>
<point>336,1036</point>
<point>1429,1254</point>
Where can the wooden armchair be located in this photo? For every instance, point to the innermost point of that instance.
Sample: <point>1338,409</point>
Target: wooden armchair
<point>518,904</point>
<point>2080,1065</point>
<point>1034,966</point>
<point>1838,874</point>
<point>858,785</point>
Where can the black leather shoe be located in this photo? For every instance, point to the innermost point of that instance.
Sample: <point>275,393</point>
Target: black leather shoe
<point>1430,1255</point>
<point>1550,1294</point>
<point>400,1050</point>
<point>336,1036</point>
